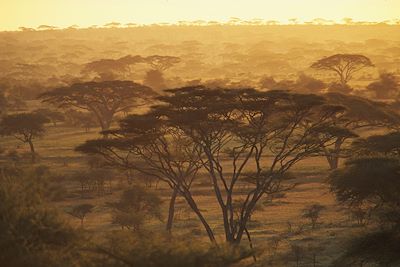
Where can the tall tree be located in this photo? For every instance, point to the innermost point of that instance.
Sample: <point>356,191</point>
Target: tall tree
<point>359,114</point>
<point>147,144</point>
<point>24,127</point>
<point>245,127</point>
<point>104,99</point>
<point>236,130</point>
<point>344,65</point>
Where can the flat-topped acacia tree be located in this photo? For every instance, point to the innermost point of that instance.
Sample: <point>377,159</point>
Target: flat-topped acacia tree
<point>103,99</point>
<point>360,114</point>
<point>24,127</point>
<point>344,65</point>
<point>159,64</point>
<point>237,135</point>
<point>112,69</point>
<point>147,144</point>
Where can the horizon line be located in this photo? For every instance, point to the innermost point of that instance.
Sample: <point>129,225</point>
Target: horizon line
<point>233,21</point>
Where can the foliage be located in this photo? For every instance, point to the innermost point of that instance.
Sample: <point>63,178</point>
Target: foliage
<point>344,65</point>
<point>381,247</point>
<point>80,211</point>
<point>135,206</point>
<point>52,115</point>
<point>372,179</point>
<point>24,127</point>
<point>31,234</point>
<point>247,123</point>
<point>313,213</point>
<point>103,99</point>
<point>155,251</point>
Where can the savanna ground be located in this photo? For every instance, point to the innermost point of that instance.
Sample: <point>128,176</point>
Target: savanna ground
<point>279,233</point>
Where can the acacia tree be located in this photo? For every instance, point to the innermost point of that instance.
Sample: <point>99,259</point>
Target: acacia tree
<point>112,69</point>
<point>103,99</point>
<point>244,128</point>
<point>147,144</point>
<point>80,211</point>
<point>372,182</point>
<point>238,129</point>
<point>53,115</point>
<point>359,114</point>
<point>159,64</point>
<point>24,127</point>
<point>344,65</point>
<point>135,206</point>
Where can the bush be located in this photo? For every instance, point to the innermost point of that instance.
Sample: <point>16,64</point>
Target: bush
<point>31,235</point>
<point>313,213</point>
<point>157,251</point>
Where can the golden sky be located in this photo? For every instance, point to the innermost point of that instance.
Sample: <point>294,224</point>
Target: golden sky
<point>64,13</point>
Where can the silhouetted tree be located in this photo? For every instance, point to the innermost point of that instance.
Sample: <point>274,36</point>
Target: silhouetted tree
<point>246,126</point>
<point>112,69</point>
<point>104,99</point>
<point>147,144</point>
<point>239,125</point>
<point>80,211</point>
<point>313,213</point>
<point>52,115</point>
<point>135,206</point>
<point>359,113</point>
<point>24,127</point>
<point>154,77</point>
<point>344,65</point>
<point>373,182</point>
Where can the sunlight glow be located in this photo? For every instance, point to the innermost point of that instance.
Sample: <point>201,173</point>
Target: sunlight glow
<point>64,13</point>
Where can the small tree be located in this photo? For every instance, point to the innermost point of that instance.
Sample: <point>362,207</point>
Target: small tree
<point>80,211</point>
<point>313,213</point>
<point>103,99</point>
<point>135,206</point>
<point>344,65</point>
<point>24,127</point>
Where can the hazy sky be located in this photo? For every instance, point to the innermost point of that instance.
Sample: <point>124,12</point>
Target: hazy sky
<point>63,13</point>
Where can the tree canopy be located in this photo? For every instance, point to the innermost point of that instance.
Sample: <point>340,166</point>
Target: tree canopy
<point>104,99</point>
<point>24,127</point>
<point>242,126</point>
<point>344,65</point>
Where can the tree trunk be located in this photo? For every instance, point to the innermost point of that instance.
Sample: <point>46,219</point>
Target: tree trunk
<point>334,162</point>
<point>250,243</point>
<point>333,156</point>
<point>171,210</point>
<point>33,154</point>
<point>196,210</point>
